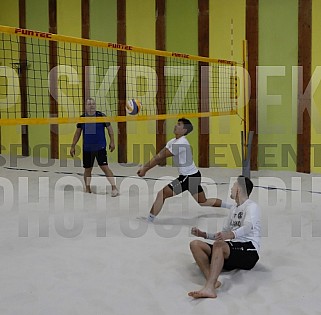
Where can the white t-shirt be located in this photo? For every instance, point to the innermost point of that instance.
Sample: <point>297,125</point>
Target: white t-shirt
<point>183,158</point>
<point>244,221</point>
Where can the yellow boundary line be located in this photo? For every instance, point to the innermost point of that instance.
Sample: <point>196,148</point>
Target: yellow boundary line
<point>65,120</point>
<point>94,43</point>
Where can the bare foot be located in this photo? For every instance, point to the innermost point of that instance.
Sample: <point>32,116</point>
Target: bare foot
<point>115,192</point>
<point>204,293</point>
<point>88,190</point>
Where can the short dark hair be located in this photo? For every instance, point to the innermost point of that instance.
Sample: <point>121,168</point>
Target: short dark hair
<point>187,125</point>
<point>90,99</point>
<point>246,184</point>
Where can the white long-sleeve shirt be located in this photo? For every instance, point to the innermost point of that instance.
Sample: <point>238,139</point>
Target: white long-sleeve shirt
<point>244,222</point>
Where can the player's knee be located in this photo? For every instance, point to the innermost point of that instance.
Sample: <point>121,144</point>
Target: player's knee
<point>160,195</point>
<point>219,244</point>
<point>200,199</point>
<point>194,245</point>
<point>164,194</point>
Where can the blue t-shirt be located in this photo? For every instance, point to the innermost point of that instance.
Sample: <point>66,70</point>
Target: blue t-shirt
<point>94,138</point>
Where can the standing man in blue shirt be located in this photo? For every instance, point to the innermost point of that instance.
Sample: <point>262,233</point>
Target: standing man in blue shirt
<point>94,145</point>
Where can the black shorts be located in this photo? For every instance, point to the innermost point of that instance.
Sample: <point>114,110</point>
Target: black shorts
<point>192,183</point>
<point>89,158</point>
<point>243,255</point>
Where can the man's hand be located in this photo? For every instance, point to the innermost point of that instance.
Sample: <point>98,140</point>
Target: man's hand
<point>197,232</point>
<point>72,151</point>
<point>222,236</point>
<point>141,172</point>
<point>111,146</point>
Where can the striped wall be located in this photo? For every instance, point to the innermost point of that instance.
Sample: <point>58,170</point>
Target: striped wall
<point>277,47</point>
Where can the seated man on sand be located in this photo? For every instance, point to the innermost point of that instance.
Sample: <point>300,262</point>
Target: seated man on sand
<point>235,247</point>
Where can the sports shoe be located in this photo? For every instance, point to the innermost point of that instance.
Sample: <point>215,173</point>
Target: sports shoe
<point>115,192</point>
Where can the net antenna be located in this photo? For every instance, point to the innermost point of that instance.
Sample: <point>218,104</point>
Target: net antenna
<point>246,134</point>
<point>232,39</point>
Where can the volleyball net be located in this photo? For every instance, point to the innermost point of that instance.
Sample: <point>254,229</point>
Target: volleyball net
<point>46,78</point>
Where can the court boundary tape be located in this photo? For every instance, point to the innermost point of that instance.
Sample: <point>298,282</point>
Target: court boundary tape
<point>152,179</point>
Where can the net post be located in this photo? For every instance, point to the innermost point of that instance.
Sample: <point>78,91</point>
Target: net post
<point>246,153</point>
<point>246,93</point>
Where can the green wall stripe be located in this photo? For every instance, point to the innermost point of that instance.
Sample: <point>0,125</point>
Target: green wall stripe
<point>278,46</point>
<point>140,32</point>
<point>182,36</point>
<point>9,13</point>
<point>68,11</point>
<point>39,135</point>
<point>103,27</point>
<point>103,20</point>
<point>181,26</point>
<point>10,135</point>
<point>226,130</point>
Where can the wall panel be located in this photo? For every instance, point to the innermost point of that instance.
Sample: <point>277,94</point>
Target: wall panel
<point>141,32</point>
<point>278,49</point>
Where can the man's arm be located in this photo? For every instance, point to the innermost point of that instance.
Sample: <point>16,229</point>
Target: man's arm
<point>197,232</point>
<point>74,141</point>
<point>220,236</point>
<point>163,154</point>
<point>249,222</point>
<point>111,138</point>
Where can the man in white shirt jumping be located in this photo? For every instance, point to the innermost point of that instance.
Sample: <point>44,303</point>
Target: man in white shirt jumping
<point>235,247</point>
<point>189,176</point>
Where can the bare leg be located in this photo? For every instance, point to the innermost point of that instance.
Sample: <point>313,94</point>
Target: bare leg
<point>163,194</point>
<point>202,252</point>
<point>220,252</point>
<point>111,179</point>
<point>87,179</point>
<point>203,201</point>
